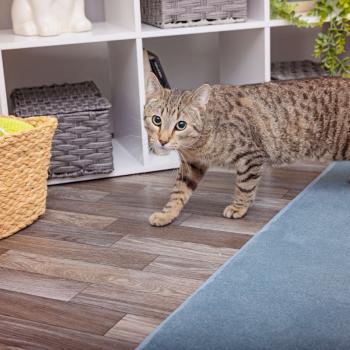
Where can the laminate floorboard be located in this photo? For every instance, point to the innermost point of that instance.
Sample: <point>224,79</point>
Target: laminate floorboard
<point>92,274</point>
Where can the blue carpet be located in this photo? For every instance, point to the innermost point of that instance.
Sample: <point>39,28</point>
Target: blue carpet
<point>288,288</point>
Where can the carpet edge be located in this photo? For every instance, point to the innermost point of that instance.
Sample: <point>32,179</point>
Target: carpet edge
<point>147,340</point>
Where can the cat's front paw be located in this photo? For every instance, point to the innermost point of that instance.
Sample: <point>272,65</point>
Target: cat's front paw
<point>233,212</point>
<point>160,219</point>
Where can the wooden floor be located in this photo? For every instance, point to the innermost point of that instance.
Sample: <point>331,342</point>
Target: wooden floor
<point>92,274</point>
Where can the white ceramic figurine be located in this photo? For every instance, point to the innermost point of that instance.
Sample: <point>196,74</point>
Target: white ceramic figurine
<point>49,17</point>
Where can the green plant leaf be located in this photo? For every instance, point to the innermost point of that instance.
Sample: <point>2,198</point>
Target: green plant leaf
<point>330,45</point>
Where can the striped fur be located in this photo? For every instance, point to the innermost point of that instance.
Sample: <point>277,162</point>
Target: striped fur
<point>245,127</point>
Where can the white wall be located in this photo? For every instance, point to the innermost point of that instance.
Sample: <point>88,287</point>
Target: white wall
<point>291,43</point>
<point>188,60</point>
<point>59,64</point>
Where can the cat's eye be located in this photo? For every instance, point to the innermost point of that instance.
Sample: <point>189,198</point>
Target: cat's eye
<point>181,125</point>
<point>157,120</point>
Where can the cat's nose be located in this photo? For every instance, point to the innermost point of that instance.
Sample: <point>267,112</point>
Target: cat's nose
<point>162,142</point>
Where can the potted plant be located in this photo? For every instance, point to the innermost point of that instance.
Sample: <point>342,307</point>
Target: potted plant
<point>330,44</point>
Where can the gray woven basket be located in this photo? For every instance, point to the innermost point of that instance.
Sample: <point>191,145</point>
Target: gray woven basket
<point>296,70</point>
<point>83,142</point>
<point>180,13</point>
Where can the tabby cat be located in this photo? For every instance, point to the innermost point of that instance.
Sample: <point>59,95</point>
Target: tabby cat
<point>243,128</point>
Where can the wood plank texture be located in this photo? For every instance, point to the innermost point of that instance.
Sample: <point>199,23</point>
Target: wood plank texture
<point>187,250</point>
<point>75,251</point>
<point>70,217</point>
<point>213,238</point>
<point>75,234</point>
<point>183,268</point>
<point>33,336</point>
<point>72,193</point>
<point>92,274</point>
<point>127,279</point>
<point>133,328</point>
<point>36,284</point>
<point>83,318</point>
<point>132,301</point>
<point>247,226</point>
<point>2,251</point>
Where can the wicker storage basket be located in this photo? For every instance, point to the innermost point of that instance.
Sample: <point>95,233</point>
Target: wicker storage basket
<point>180,13</point>
<point>83,142</point>
<point>24,161</point>
<point>296,70</point>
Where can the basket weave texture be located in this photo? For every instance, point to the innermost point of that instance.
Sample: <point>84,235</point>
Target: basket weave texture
<point>296,70</point>
<point>83,142</point>
<point>24,162</point>
<point>180,13</point>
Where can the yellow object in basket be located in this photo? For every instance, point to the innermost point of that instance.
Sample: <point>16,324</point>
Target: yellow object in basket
<point>13,126</point>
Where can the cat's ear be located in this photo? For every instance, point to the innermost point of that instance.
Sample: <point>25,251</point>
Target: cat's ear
<point>153,88</point>
<point>201,96</point>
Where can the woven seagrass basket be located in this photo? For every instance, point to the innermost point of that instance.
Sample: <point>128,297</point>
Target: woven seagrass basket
<point>181,13</point>
<point>24,163</point>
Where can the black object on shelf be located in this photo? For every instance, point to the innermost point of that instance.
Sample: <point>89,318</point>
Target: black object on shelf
<point>158,70</point>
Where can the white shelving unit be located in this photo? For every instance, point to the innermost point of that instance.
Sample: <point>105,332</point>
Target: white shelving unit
<point>111,55</point>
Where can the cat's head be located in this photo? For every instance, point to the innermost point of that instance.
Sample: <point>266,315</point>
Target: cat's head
<point>173,119</point>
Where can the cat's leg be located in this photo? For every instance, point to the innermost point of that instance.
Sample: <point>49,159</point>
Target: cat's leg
<point>22,18</point>
<point>188,178</point>
<point>48,24</point>
<point>245,190</point>
<point>79,22</point>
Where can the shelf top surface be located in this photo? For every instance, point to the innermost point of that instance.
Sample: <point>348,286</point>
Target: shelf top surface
<point>101,32</point>
<point>106,32</point>
<point>282,22</point>
<point>148,31</point>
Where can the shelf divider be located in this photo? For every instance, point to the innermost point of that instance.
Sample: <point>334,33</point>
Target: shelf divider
<point>3,96</point>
